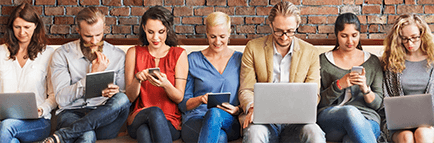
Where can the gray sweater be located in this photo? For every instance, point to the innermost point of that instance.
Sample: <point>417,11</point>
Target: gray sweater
<point>332,96</point>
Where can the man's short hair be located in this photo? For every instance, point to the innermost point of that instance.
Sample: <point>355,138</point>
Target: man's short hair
<point>90,15</point>
<point>284,9</point>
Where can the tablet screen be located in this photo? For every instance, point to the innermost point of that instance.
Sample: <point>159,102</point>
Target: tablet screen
<point>215,99</point>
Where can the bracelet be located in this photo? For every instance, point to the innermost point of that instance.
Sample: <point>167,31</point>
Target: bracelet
<point>339,86</point>
<point>135,76</point>
<point>369,91</point>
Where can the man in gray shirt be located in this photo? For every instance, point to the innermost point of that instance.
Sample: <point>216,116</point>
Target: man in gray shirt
<point>81,120</point>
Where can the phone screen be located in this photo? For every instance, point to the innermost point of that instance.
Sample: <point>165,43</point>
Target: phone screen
<point>151,72</point>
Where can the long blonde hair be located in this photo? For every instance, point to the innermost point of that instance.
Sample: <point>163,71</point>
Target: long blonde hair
<point>394,51</point>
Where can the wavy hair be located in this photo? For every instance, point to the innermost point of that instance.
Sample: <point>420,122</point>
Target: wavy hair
<point>38,41</point>
<point>393,58</point>
<point>284,8</point>
<point>166,17</point>
<point>346,18</point>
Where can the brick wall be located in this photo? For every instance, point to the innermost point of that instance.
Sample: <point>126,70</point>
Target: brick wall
<point>248,16</point>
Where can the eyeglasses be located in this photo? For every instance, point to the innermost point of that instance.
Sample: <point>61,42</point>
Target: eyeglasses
<point>412,39</point>
<point>289,33</point>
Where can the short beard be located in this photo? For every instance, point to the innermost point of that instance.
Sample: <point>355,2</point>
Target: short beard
<point>90,55</point>
<point>277,42</point>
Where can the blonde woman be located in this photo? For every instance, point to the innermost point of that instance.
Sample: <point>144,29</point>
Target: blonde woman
<point>215,69</point>
<point>408,63</point>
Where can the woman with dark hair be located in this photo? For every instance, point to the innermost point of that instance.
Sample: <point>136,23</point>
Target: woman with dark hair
<point>408,64</point>
<point>155,116</point>
<point>350,99</point>
<point>24,68</point>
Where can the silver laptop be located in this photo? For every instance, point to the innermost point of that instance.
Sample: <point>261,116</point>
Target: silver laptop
<point>293,103</point>
<point>18,106</point>
<point>409,111</point>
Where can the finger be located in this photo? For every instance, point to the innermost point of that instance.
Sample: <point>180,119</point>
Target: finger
<point>246,122</point>
<point>158,74</point>
<point>98,56</point>
<point>363,71</point>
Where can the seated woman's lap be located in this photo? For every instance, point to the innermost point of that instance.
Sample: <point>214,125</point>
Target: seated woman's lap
<point>339,121</point>
<point>149,120</point>
<point>191,129</point>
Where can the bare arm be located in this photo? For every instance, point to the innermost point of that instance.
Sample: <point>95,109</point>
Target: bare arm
<point>132,85</point>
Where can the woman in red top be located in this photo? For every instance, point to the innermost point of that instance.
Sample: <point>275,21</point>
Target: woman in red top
<point>156,98</point>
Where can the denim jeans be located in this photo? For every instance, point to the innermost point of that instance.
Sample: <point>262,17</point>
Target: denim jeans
<point>89,124</point>
<point>269,133</point>
<point>347,124</point>
<point>150,125</point>
<point>18,130</point>
<point>216,126</point>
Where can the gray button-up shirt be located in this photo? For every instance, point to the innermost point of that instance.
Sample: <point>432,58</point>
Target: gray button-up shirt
<point>69,68</point>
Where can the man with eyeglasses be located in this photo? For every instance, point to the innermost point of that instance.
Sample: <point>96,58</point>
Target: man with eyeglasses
<point>278,58</point>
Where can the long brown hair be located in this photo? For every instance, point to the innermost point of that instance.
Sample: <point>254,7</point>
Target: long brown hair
<point>166,17</point>
<point>393,58</point>
<point>38,41</point>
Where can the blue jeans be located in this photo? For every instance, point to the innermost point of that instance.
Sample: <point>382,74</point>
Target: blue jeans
<point>264,133</point>
<point>150,125</point>
<point>347,124</point>
<point>216,126</point>
<point>17,130</point>
<point>88,125</point>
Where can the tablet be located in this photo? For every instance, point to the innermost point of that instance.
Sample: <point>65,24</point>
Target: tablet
<point>215,99</point>
<point>96,82</point>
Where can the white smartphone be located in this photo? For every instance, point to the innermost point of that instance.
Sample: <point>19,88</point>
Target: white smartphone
<point>357,69</point>
<point>151,72</point>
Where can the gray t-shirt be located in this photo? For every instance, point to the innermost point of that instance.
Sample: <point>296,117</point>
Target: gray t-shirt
<point>415,77</point>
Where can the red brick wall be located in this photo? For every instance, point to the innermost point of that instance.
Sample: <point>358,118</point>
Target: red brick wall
<point>249,17</point>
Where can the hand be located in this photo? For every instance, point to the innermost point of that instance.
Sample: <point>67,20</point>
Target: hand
<point>110,90</point>
<point>162,80</point>
<point>359,79</point>
<point>141,75</point>
<point>100,63</point>
<point>233,110</point>
<point>40,112</point>
<point>249,118</point>
<point>344,82</point>
<point>204,98</point>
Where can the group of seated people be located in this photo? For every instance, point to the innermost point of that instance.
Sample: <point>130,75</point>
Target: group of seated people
<point>172,104</point>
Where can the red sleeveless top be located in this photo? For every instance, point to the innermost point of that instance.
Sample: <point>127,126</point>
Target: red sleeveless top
<point>151,95</point>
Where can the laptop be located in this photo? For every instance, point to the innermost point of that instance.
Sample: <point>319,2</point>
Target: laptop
<point>97,82</point>
<point>18,106</point>
<point>411,111</point>
<point>283,103</point>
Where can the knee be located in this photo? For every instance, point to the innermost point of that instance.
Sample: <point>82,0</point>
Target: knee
<point>403,136</point>
<point>89,136</point>
<point>122,100</point>
<point>350,114</point>
<point>312,133</point>
<point>255,133</point>
<point>156,114</point>
<point>213,116</point>
<point>312,129</point>
<point>424,134</point>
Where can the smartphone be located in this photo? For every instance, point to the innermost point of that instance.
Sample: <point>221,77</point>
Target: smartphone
<point>357,69</point>
<point>151,72</point>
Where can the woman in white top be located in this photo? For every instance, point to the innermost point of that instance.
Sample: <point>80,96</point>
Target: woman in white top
<point>24,68</point>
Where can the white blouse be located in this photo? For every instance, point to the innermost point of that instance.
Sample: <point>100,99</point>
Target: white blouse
<point>34,77</point>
